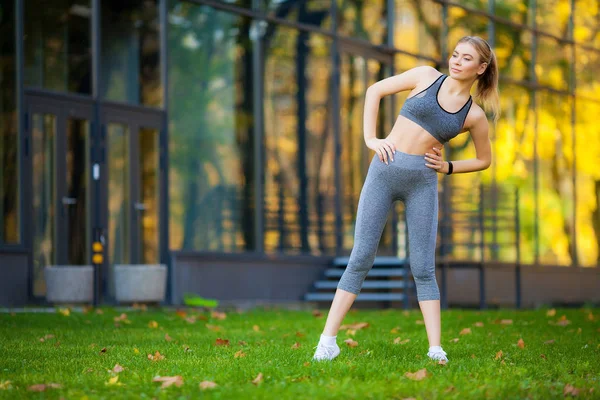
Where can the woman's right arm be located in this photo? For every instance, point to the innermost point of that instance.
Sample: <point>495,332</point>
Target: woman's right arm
<point>405,81</point>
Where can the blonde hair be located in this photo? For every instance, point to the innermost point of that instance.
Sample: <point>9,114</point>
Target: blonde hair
<point>487,83</point>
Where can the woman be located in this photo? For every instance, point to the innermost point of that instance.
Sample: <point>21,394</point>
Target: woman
<point>405,168</point>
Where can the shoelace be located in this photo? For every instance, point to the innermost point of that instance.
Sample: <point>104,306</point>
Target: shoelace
<point>324,351</point>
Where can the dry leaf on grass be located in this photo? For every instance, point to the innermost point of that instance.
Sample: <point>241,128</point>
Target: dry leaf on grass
<point>114,381</point>
<point>156,357</point>
<point>506,322</point>
<point>473,356</point>
<point>181,313</point>
<point>543,356</point>
<point>521,344</point>
<point>122,317</point>
<point>136,350</point>
<point>549,341</point>
<point>103,350</point>
<point>466,331</point>
<point>191,320</point>
<point>351,343</point>
<point>207,385</point>
<point>498,355</point>
<point>242,343</point>
<point>570,390</point>
<point>256,328</point>
<point>153,324</point>
<point>239,354</point>
<point>214,328</point>
<point>296,345</point>
<point>357,326</point>
<point>419,322</point>
<point>168,338</point>
<point>258,379</point>
<point>551,312</point>
<point>398,340</point>
<point>306,364</point>
<point>478,324</point>
<point>351,332</point>
<point>454,340</point>
<point>417,376</point>
<point>395,330</point>
<point>317,313</point>
<point>218,315</point>
<point>590,317</point>
<point>442,362</point>
<point>43,386</point>
<point>169,380</point>
<point>64,311</point>
<point>563,321</point>
<point>117,368</point>
<point>221,342</point>
<point>300,334</point>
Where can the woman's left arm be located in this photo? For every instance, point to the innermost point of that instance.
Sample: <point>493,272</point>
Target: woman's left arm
<point>479,129</point>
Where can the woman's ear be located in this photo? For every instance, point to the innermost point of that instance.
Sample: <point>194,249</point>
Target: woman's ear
<point>482,68</point>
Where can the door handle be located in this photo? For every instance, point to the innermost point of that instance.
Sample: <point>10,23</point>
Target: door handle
<point>139,206</point>
<point>67,201</point>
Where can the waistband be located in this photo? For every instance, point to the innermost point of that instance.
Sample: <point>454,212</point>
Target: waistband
<point>412,161</point>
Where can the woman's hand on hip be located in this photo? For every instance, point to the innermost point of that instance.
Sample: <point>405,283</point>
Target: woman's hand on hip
<point>435,161</point>
<point>384,149</point>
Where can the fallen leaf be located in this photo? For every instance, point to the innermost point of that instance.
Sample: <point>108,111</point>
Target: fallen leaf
<point>239,354</point>
<point>140,306</point>
<point>417,376</point>
<point>549,341</point>
<point>506,322</point>
<point>169,380</point>
<point>395,330</point>
<point>399,341</point>
<point>296,345</point>
<point>114,381</point>
<point>191,320</point>
<point>99,311</point>
<point>454,340</point>
<point>306,364</point>
<point>181,313</point>
<point>478,324</point>
<point>317,313</point>
<point>590,317</point>
<point>551,313</point>
<point>153,324</point>
<point>351,332</point>
<point>222,342</point>
<point>117,368</point>
<point>466,331</point>
<point>156,357</point>
<point>4,385</point>
<point>186,349</point>
<point>258,379</point>
<point>543,356</point>
<point>103,350</point>
<point>419,322</point>
<point>218,315</point>
<point>351,343</point>
<point>256,328</point>
<point>357,326</point>
<point>449,389</point>
<point>64,311</point>
<point>214,328</point>
<point>578,330</point>
<point>41,387</point>
<point>442,362</point>
<point>136,351</point>
<point>498,355</point>
<point>121,317</point>
<point>46,338</point>
<point>563,321</point>
<point>242,343</point>
<point>473,356</point>
<point>298,334</point>
<point>207,385</point>
<point>521,344</point>
<point>168,338</point>
<point>570,390</point>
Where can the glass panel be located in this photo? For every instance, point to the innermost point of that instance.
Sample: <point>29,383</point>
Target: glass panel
<point>57,45</point>
<point>131,52</point>
<point>587,23</point>
<point>357,74</point>
<point>555,196</point>
<point>588,183</point>
<point>513,50</point>
<point>43,136</point>
<point>365,20</point>
<point>9,146</point>
<point>587,65</point>
<point>77,174</point>
<point>553,16</point>
<point>299,186</point>
<point>211,130</point>
<point>462,23</point>
<point>417,25</point>
<point>149,195</point>
<point>119,201</point>
<point>553,65</point>
<point>310,12</point>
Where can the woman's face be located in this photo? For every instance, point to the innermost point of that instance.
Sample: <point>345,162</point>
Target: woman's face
<point>465,62</point>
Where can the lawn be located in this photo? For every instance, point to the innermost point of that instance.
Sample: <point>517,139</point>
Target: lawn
<point>266,353</point>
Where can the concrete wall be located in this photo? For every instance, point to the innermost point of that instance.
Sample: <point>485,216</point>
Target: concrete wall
<point>235,278</point>
<point>14,284</point>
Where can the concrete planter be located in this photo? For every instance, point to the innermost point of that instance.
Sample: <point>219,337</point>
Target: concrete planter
<point>69,283</point>
<point>140,282</point>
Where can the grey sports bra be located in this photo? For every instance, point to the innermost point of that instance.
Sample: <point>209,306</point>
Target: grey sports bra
<point>425,110</point>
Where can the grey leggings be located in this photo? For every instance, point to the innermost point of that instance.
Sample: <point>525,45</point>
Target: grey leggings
<point>407,179</point>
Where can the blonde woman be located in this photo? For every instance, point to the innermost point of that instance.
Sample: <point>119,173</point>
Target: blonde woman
<point>405,167</point>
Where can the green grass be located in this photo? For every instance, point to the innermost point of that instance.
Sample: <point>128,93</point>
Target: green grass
<point>374,369</point>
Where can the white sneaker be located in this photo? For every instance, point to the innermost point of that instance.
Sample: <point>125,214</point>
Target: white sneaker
<point>326,352</point>
<point>438,355</point>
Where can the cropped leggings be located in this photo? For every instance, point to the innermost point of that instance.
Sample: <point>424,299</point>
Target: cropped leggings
<point>408,179</point>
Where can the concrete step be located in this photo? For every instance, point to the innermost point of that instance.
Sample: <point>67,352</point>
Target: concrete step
<point>361,297</point>
<point>337,272</point>
<point>366,284</point>
<point>384,261</point>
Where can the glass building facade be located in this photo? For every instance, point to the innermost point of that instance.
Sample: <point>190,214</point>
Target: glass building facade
<point>235,127</point>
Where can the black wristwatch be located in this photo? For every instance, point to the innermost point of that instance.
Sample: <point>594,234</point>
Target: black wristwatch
<point>449,167</point>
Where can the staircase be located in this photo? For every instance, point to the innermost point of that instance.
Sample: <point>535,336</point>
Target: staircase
<point>387,281</point>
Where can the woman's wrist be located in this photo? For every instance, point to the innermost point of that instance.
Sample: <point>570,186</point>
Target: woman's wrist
<point>449,168</point>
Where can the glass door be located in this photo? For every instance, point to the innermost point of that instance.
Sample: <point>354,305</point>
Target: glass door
<point>131,185</point>
<point>59,142</point>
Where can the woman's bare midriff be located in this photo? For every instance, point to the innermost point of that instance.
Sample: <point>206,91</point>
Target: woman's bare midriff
<point>408,137</point>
